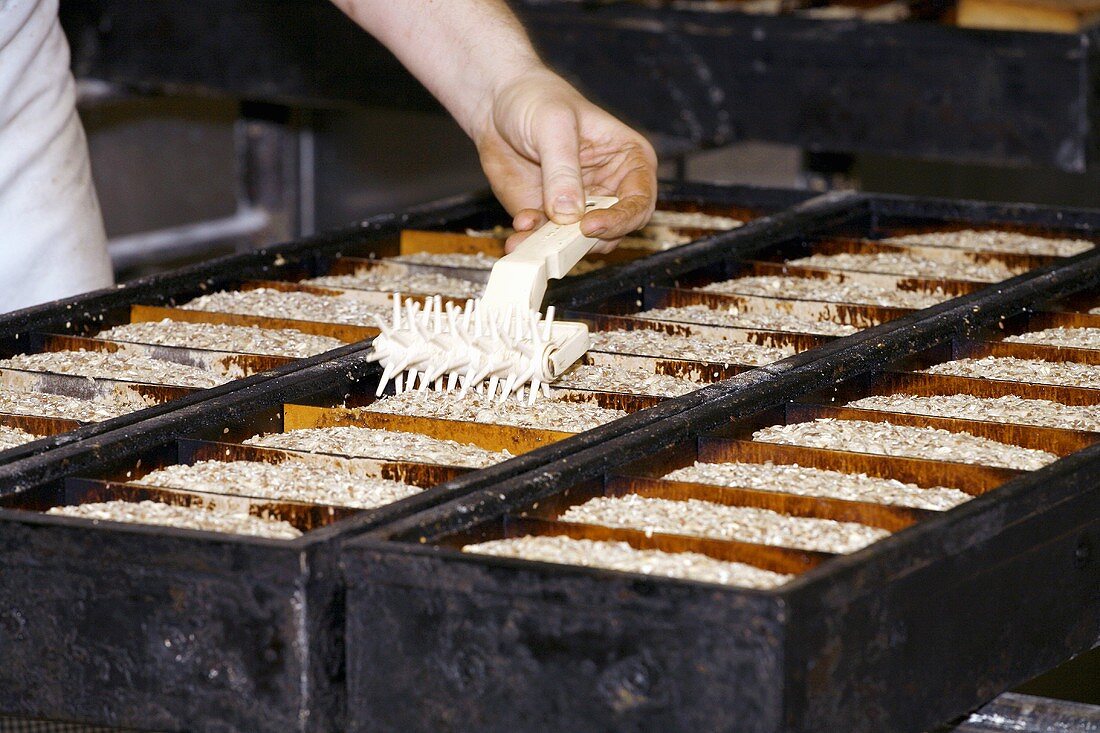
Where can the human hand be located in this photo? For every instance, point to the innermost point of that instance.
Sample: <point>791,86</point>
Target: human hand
<point>545,147</point>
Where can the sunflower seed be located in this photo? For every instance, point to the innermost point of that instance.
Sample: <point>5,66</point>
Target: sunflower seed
<point>11,437</point>
<point>387,445</point>
<point>103,365</point>
<point>477,260</point>
<point>884,438</point>
<point>182,517</point>
<point>904,263</point>
<point>648,342</point>
<point>992,240</point>
<point>1011,369</point>
<point>547,413</point>
<point>45,404</point>
<point>624,558</point>
<point>1008,409</point>
<point>605,378</point>
<point>693,220</point>
<point>426,283</point>
<point>287,481</point>
<point>270,303</point>
<point>697,518</point>
<point>795,479</point>
<point>806,288</point>
<point>222,337</point>
<point>732,317</point>
<point>1074,338</point>
<point>467,261</point>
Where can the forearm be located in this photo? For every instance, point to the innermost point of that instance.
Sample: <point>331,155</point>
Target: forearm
<point>463,51</point>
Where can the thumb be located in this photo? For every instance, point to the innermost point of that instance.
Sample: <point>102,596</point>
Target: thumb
<point>557,143</point>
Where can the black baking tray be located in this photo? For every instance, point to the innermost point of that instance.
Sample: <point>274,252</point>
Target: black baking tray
<point>903,635</point>
<point>177,630</point>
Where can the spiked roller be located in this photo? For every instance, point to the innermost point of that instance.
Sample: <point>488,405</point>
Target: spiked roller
<point>499,343</point>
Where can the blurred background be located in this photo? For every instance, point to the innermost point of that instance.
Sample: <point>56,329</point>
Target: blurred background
<point>217,126</point>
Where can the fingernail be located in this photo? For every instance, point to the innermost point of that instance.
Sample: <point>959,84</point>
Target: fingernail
<point>566,205</point>
<point>597,232</point>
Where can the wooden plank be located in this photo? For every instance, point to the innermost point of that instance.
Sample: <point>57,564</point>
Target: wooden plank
<point>418,240</point>
<point>38,424</point>
<point>1052,16</point>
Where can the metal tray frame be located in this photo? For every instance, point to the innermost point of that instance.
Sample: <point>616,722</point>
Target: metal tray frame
<point>183,630</point>
<point>180,630</point>
<point>902,636</point>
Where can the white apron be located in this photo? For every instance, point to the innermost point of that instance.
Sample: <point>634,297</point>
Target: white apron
<point>52,242</point>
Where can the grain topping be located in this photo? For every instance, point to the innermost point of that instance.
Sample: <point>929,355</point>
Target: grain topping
<point>832,291</point>
<point>546,414</point>
<point>120,366</point>
<point>884,438</point>
<point>425,283</point>
<point>698,518</point>
<point>650,342</point>
<point>626,381</point>
<point>1072,338</point>
<point>624,558</point>
<point>47,404</point>
<point>287,481</point>
<point>735,319</point>
<point>805,481</point>
<point>11,437</point>
<point>992,240</point>
<point>387,445</point>
<point>222,337</point>
<point>904,263</point>
<point>269,303</point>
<point>1011,369</point>
<point>1007,409</point>
<point>182,517</point>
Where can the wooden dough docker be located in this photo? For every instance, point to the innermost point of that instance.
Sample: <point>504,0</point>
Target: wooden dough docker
<point>499,343</point>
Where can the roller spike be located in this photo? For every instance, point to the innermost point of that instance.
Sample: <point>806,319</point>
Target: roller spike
<point>509,386</point>
<point>387,375</point>
<point>453,348</point>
